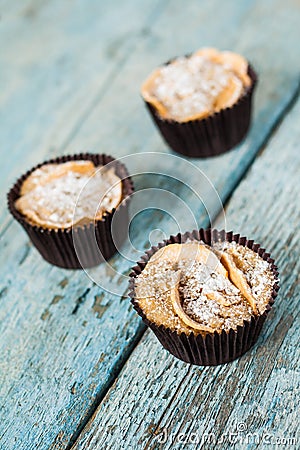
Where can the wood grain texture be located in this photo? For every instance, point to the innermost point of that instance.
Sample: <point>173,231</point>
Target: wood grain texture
<point>57,61</point>
<point>73,87</point>
<point>93,39</point>
<point>157,395</point>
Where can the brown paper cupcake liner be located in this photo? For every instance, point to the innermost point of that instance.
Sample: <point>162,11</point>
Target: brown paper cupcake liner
<point>209,349</point>
<point>213,135</point>
<point>82,246</point>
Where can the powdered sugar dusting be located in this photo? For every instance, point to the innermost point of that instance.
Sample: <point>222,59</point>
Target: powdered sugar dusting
<point>191,86</point>
<point>256,270</point>
<point>61,195</point>
<point>207,296</point>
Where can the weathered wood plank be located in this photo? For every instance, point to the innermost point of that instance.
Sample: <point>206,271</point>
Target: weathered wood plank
<point>129,124</point>
<point>57,61</point>
<point>239,26</point>
<point>155,393</point>
<point>35,319</point>
<point>26,313</point>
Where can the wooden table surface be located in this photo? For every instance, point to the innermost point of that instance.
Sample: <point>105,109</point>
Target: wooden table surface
<point>77,367</point>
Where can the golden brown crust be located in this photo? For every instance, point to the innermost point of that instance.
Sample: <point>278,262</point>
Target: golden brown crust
<point>186,319</point>
<point>193,251</point>
<point>59,196</point>
<point>182,287</point>
<point>50,172</point>
<point>239,80</point>
<point>238,279</point>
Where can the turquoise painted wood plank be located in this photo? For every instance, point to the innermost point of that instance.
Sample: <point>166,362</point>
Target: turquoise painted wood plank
<point>57,60</point>
<point>158,397</point>
<point>236,26</point>
<point>94,355</point>
<point>111,118</point>
<point>16,363</point>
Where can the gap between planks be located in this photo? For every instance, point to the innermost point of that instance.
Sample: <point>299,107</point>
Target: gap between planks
<point>280,330</point>
<point>81,124</point>
<point>272,131</point>
<point>99,398</point>
<point>141,331</point>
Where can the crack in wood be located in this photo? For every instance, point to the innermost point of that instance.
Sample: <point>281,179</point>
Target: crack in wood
<point>27,249</point>
<point>158,429</point>
<point>100,396</point>
<point>272,132</point>
<point>3,291</point>
<point>80,300</point>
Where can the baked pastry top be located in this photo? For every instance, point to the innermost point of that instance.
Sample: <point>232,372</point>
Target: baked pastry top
<point>192,287</point>
<point>68,194</point>
<point>196,86</point>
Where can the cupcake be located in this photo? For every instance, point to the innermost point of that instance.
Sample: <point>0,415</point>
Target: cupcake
<point>205,294</point>
<point>201,103</point>
<point>66,206</point>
